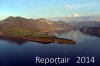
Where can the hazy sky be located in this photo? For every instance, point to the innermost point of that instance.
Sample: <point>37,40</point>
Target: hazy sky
<point>48,8</point>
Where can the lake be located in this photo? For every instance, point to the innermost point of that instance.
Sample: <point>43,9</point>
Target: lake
<point>16,54</point>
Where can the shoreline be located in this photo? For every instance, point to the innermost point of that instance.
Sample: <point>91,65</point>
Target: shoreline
<point>39,39</point>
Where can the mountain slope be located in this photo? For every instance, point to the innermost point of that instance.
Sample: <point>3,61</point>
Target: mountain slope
<point>23,26</point>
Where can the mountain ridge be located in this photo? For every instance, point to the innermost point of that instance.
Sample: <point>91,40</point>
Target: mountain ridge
<point>16,24</point>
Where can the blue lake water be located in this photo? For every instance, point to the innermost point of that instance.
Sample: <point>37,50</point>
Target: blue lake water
<point>14,54</point>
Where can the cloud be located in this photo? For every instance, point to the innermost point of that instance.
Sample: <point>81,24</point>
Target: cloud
<point>76,15</point>
<point>68,6</point>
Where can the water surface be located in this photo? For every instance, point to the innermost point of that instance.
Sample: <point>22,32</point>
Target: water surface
<point>14,54</point>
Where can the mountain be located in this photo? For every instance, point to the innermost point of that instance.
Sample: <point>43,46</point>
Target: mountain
<point>80,22</point>
<point>23,26</point>
<point>95,31</point>
<point>85,24</point>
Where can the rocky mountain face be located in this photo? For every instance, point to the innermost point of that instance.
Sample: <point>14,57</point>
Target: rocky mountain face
<point>16,24</point>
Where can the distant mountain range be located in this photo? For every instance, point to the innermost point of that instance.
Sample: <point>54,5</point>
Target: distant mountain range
<point>76,19</point>
<point>80,22</point>
<point>23,25</point>
<point>20,24</point>
<point>85,24</point>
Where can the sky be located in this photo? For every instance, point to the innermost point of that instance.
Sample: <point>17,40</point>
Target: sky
<point>49,8</point>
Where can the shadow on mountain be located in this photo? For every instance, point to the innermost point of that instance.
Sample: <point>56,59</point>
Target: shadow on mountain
<point>93,31</point>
